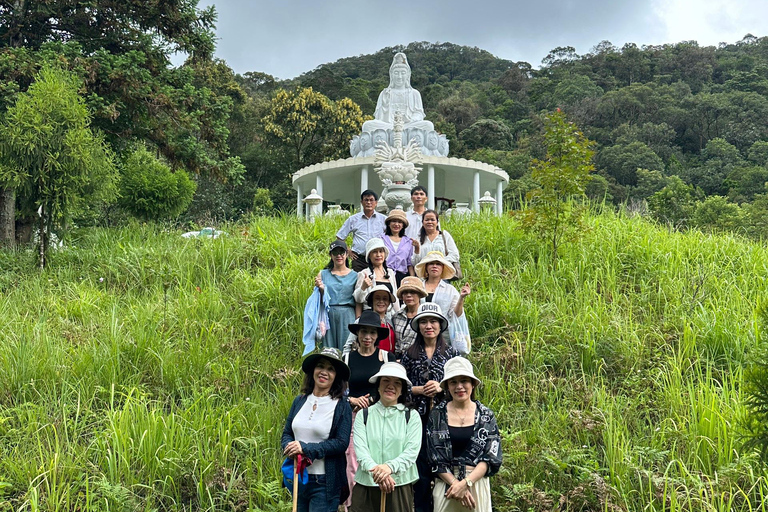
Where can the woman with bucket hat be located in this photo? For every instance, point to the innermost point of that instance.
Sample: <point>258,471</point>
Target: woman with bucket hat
<point>364,361</point>
<point>387,442</point>
<point>463,443</point>
<point>379,300</point>
<point>410,293</point>
<point>424,362</point>
<point>436,270</point>
<point>338,281</point>
<point>318,428</point>
<point>399,245</point>
<point>377,273</point>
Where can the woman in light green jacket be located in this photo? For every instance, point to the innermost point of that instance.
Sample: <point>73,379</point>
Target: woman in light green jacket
<point>387,440</point>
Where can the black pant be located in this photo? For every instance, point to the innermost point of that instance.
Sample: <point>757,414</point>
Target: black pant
<point>422,488</point>
<point>359,263</point>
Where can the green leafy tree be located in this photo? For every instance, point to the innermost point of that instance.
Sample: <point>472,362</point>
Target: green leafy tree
<point>720,158</point>
<point>310,126</point>
<point>563,175</point>
<point>49,153</point>
<point>149,189</point>
<point>623,160</point>
<point>121,51</point>
<point>756,217</point>
<point>487,133</point>
<point>758,153</point>
<point>648,183</point>
<point>674,204</point>
<point>717,214</point>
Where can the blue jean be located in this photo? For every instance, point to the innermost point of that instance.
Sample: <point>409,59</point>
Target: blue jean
<point>314,498</point>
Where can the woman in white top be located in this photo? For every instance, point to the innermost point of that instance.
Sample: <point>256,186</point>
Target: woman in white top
<point>318,428</point>
<point>432,238</point>
<point>377,273</point>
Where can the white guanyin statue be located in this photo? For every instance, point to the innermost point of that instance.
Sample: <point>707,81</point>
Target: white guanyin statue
<point>399,97</point>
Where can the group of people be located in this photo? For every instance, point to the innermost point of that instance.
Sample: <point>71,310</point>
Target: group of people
<point>387,412</point>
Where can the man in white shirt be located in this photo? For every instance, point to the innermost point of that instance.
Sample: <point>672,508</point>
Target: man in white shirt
<point>363,226</point>
<point>419,200</point>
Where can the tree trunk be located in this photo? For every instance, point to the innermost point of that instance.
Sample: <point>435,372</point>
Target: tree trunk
<point>7,217</point>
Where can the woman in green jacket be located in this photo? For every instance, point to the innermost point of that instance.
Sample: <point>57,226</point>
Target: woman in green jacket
<point>387,440</point>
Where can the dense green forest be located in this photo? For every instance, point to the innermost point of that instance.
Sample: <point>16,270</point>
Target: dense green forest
<point>680,130</point>
<point>682,126</point>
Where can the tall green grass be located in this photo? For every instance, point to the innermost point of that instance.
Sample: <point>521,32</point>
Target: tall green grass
<point>143,371</point>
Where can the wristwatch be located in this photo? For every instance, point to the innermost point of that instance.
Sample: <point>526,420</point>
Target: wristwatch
<point>470,483</point>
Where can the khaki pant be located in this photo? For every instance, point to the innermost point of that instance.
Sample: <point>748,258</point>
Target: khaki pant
<point>481,492</point>
<point>368,499</point>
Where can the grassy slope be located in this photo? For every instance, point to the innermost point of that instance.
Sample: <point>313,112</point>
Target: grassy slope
<point>147,372</point>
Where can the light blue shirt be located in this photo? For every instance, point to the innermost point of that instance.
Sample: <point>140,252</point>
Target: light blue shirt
<point>363,229</point>
<point>414,224</point>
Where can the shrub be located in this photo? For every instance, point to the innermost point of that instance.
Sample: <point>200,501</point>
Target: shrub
<point>149,189</point>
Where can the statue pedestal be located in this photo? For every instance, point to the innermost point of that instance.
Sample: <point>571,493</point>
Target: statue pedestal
<point>398,195</point>
<point>431,142</point>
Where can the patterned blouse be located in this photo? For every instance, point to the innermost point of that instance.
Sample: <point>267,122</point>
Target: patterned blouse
<point>422,369</point>
<point>484,446</point>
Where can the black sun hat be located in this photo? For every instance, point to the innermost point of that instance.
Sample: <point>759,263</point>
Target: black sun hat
<point>333,355</point>
<point>370,319</point>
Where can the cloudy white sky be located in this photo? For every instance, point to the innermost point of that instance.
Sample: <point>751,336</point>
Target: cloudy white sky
<point>288,37</point>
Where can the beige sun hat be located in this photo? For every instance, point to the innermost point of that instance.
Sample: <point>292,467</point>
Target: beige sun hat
<point>379,288</point>
<point>397,214</point>
<point>373,244</point>
<point>458,367</point>
<point>411,284</point>
<point>391,369</point>
<point>448,270</point>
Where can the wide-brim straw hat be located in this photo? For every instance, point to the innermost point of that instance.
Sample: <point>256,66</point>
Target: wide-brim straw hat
<point>448,270</point>
<point>373,244</point>
<point>397,214</point>
<point>429,309</point>
<point>411,284</point>
<point>379,288</point>
<point>333,355</point>
<point>391,369</point>
<point>369,319</point>
<point>458,367</point>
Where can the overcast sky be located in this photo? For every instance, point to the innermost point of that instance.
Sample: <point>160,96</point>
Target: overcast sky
<point>288,37</point>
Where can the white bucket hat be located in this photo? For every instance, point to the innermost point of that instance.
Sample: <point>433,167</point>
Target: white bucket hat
<point>379,288</point>
<point>458,367</point>
<point>391,369</point>
<point>373,244</point>
<point>421,267</point>
<point>428,309</point>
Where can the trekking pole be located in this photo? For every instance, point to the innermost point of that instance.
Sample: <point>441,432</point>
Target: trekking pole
<point>295,484</point>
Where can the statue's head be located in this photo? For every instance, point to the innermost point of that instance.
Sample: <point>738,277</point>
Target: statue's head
<point>399,72</point>
<point>379,135</point>
<point>365,141</point>
<point>415,135</point>
<point>431,140</point>
<point>354,145</point>
<point>443,145</point>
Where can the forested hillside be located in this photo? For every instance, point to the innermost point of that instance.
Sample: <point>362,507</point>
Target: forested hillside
<point>682,126</point>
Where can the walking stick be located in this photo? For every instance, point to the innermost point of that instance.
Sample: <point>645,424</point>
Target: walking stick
<point>295,484</point>
<point>383,501</point>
